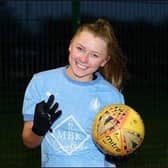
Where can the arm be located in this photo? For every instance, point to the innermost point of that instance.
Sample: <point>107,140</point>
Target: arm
<point>44,116</point>
<point>30,139</point>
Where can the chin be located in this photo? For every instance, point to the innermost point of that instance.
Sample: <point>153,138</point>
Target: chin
<point>79,72</point>
<point>79,75</point>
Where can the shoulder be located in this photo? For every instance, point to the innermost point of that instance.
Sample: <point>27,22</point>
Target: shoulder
<point>49,74</point>
<point>46,78</point>
<point>107,88</point>
<point>106,85</point>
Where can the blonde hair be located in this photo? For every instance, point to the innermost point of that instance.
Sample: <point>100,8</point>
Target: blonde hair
<point>115,70</point>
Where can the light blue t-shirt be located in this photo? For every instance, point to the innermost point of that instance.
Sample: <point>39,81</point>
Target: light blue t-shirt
<point>70,143</point>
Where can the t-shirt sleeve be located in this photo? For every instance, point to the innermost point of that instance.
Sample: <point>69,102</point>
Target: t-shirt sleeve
<point>31,98</point>
<point>122,99</point>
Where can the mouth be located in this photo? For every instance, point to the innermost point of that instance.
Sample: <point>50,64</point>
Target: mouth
<point>81,66</point>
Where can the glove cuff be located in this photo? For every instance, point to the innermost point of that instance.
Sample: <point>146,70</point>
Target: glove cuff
<point>39,132</point>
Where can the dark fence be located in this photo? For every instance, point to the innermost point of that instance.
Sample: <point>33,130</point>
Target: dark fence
<point>34,36</point>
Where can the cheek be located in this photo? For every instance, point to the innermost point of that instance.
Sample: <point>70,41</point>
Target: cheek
<point>97,63</point>
<point>72,54</point>
<point>94,65</point>
<point>72,57</point>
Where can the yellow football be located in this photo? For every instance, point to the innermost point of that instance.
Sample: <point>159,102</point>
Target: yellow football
<point>118,130</point>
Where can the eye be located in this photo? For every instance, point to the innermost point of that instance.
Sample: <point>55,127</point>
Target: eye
<point>79,48</point>
<point>95,55</point>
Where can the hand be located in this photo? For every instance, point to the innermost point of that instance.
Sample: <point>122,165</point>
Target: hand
<point>45,115</point>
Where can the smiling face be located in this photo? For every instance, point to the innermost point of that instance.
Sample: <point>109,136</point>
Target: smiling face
<point>86,54</point>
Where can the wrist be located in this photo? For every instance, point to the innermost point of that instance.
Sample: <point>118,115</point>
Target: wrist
<point>38,131</point>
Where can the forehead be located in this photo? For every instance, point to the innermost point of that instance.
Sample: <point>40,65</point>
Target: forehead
<point>89,40</point>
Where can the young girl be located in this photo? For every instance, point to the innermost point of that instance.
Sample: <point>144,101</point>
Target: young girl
<point>60,104</point>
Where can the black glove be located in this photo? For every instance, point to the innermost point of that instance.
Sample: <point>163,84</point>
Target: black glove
<point>44,116</point>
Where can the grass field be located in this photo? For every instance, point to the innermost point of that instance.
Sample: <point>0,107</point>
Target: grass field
<point>150,102</point>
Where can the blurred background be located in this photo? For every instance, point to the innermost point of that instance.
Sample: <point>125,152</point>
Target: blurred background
<point>34,36</point>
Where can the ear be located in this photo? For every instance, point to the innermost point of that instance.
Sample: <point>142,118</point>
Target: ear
<point>70,46</point>
<point>69,49</point>
<point>105,62</point>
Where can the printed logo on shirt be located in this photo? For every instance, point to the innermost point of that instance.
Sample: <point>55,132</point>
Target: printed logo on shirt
<point>49,94</point>
<point>95,104</point>
<point>68,136</point>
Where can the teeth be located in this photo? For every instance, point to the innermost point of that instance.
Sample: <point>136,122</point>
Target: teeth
<point>81,66</point>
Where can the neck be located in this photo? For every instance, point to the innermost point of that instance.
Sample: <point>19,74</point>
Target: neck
<point>72,75</point>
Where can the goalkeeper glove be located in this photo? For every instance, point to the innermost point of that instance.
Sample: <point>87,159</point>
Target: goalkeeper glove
<point>45,115</point>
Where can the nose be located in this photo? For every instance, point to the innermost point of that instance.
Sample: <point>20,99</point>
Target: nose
<point>84,57</point>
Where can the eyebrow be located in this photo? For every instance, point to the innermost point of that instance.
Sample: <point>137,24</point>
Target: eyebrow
<point>85,48</point>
